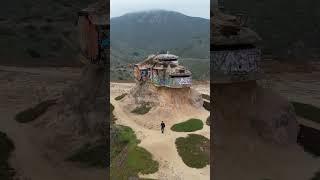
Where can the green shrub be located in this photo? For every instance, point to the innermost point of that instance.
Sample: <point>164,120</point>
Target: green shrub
<point>190,125</point>
<point>112,116</point>
<point>205,96</point>
<point>194,150</point>
<point>111,107</point>
<point>118,98</point>
<point>206,105</point>
<point>140,160</point>
<point>307,111</point>
<point>208,122</point>
<point>143,109</point>
<point>33,113</point>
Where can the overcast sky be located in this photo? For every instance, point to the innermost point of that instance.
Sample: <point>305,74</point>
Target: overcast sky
<point>196,8</point>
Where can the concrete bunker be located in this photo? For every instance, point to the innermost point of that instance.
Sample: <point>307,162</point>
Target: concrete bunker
<point>163,70</point>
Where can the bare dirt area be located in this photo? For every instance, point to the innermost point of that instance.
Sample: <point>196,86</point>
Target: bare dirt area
<point>22,88</point>
<point>147,127</point>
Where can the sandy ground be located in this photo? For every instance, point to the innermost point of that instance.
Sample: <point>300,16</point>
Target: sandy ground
<point>22,88</point>
<point>162,146</point>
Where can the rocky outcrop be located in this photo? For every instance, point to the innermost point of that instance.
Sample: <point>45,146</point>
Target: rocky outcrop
<point>145,92</point>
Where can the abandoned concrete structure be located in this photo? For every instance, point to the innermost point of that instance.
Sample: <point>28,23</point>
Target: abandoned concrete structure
<point>163,70</point>
<point>93,27</point>
<point>235,57</point>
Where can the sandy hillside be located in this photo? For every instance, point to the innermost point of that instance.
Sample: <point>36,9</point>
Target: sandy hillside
<point>161,146</point>
<point>22,88</point>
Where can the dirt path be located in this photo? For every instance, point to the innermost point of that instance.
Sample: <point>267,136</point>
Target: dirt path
<point>21,88</point>
<point>161,146</point>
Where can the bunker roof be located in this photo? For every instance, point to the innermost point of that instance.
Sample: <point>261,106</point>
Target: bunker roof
<point>166,57</point>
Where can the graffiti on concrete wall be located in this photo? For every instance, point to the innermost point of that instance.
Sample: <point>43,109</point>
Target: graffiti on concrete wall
<point>236,61</point>
<point>158,79</point>
<point>144,74</point>
<point>183,80</point>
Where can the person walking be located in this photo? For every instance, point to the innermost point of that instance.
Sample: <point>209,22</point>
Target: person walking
<point>162,126</point>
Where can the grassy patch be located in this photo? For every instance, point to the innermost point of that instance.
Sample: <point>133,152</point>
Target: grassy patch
<point>127,158</point>
<point>208,122</point>
<point>206,105</point>
<point>123,136</point>
<point>6,147</point>
<point>112,116</point>
<point>111,107</point>
<point>307,111</point>
<point>143,109</point>
<point>118,98</point>
<point>33,113</point>
<point>194,150</point>
<point>190,125</point>
<point>140,160</point>
<point>93,155</point>
<point>206,96</point>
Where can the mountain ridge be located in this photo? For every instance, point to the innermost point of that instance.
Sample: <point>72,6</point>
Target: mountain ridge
<point>136,35</point>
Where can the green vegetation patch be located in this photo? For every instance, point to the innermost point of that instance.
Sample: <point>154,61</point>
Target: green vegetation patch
<point>122,136</point>
<point>142,109</point>
<point>190,125</point>
<point>307,111</point>
<point>112,116</point>
<point>206,96</point>
<point>206,105</point>
<point>33,113</point>
<point>140,160</point>
<point>91,154</point>
<point>208,122</point>
<point>6,147</point>
<point>127,158</point>
<point>194,150</point>
<point>118,98</point>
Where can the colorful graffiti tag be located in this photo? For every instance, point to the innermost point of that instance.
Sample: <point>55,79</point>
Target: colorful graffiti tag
<point>183,80</point>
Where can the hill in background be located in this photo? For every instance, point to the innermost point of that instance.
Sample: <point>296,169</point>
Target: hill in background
<point>134,36</point>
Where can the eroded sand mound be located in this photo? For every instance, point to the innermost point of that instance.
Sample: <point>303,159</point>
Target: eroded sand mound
<point>163,96</point>
<point>166,103</point>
